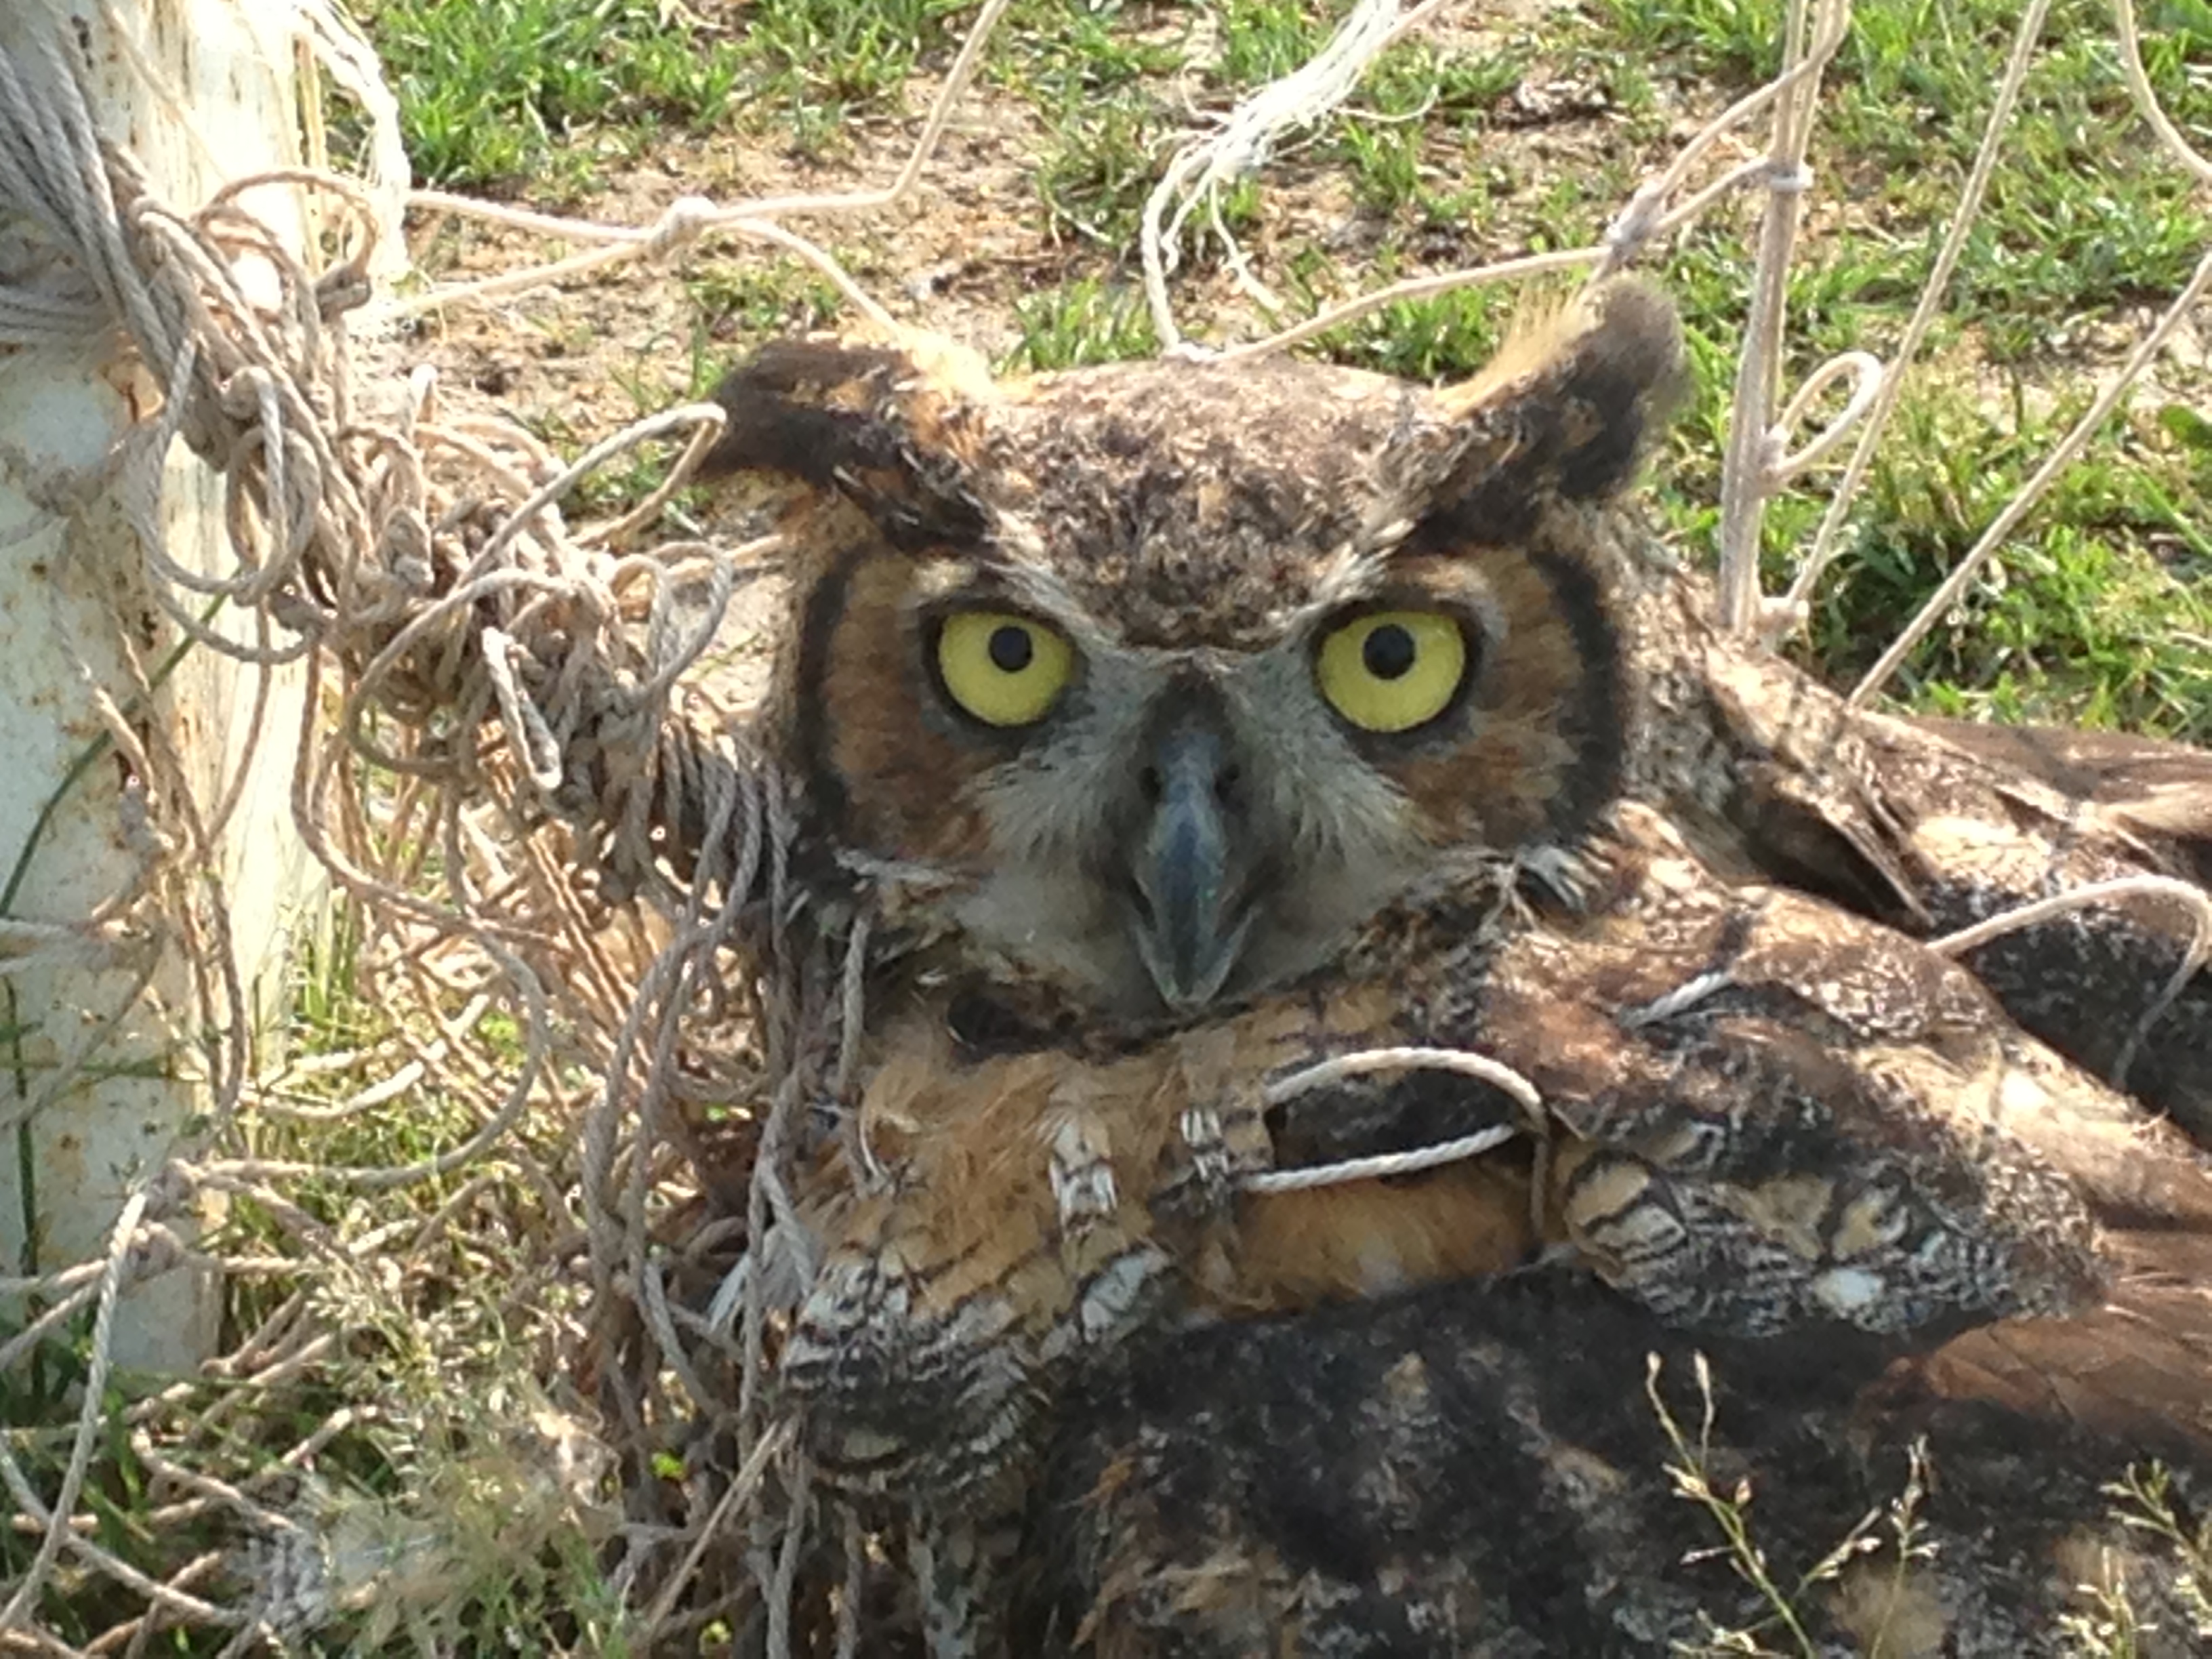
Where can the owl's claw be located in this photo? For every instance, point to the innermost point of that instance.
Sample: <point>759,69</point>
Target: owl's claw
<point>1208,1145</point>
<point>1220,1143</point>
<point>1081,1168</point>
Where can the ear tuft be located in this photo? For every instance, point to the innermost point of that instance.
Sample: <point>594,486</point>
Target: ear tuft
<point>879,425</point>
<point>1565,410</point>
<point>802,408</point>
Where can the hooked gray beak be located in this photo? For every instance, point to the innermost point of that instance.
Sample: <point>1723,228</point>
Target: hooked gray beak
<point>1187,870</point>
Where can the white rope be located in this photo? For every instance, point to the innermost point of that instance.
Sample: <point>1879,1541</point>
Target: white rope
<point>1748,473</point>
<point>348,59</point>
<point>1200,171</point>
<point>259,386</point>
<point>1864,371</point>
<point>2146,97</point>
<point>1381,1165</point>
<point>1683,998</point>
<point>1324,1073</point>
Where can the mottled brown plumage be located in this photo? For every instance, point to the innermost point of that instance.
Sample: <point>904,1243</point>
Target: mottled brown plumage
<point>1177,725</point>
<point>1933,826</point>
<point>1767,1117</point>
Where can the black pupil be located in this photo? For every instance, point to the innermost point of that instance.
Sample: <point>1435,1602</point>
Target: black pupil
<point>1011,649</point>
<point>1388,651</point>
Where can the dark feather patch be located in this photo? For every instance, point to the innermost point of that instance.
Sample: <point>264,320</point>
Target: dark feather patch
<point>1598,717</point>
<point>1566,417</point>
<point>841,418</point>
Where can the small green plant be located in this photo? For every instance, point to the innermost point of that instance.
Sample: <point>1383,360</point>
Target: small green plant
<point>1447,337</point>
<point>1263,40</point>
<point>1097,168</point>
<point>1063,54</point>
<point>1729,1511</point>
<point>2109,1626</point>
<point>1086,321</point>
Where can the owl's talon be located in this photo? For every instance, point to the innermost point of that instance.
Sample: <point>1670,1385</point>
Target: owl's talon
<point>1719,1240</point>
<point>1208,1145</point>
<point>1083,1188</point>
<point>1220,1147</point>
<point>1571,876</point>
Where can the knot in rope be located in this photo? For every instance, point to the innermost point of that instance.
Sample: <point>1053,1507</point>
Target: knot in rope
<point>685,220</point>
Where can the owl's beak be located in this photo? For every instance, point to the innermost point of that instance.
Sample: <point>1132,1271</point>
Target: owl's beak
<point>1188,923</point>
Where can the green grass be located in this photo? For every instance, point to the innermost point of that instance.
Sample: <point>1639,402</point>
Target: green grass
<point>1084,323</point>
<point>2099,612</point>
<point>504,94</point>
<point>1098,167</point>
<point>498,92</point>
<point>2075,220</point>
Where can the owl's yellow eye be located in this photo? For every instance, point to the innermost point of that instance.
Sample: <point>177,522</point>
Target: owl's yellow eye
<point>1391,670</point>
<point>1004,670</point>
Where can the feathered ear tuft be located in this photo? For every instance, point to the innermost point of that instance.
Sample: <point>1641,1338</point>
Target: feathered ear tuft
<point>882,426</point>
<point>1564,412</point>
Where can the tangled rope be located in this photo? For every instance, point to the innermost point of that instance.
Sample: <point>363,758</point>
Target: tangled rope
<point>412,561</point>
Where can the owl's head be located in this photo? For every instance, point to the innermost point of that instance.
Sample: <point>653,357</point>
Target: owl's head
<point>1154,682</point>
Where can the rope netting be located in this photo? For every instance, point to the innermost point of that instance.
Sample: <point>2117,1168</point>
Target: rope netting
<point>566,865</point>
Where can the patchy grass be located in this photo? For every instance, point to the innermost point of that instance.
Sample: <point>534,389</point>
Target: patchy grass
<point>538,96</point>
<point>509,96</point>
<point>1478,142</point>
<point>2099,612</point>
<point>383,1402</point>
<point>1085,322</point>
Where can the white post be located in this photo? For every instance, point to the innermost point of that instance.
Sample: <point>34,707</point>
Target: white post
<point>201,91</point>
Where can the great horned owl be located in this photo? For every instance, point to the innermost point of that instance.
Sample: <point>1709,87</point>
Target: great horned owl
<point>1132,692</point>
<point>1124,692</point>
<point>1177,727</point>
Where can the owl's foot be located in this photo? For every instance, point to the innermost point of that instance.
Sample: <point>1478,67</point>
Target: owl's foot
<point>1863,1243</point>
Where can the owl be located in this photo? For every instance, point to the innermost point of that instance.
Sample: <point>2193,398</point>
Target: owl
<point>1149,528</point>
<point>1201,750</point>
